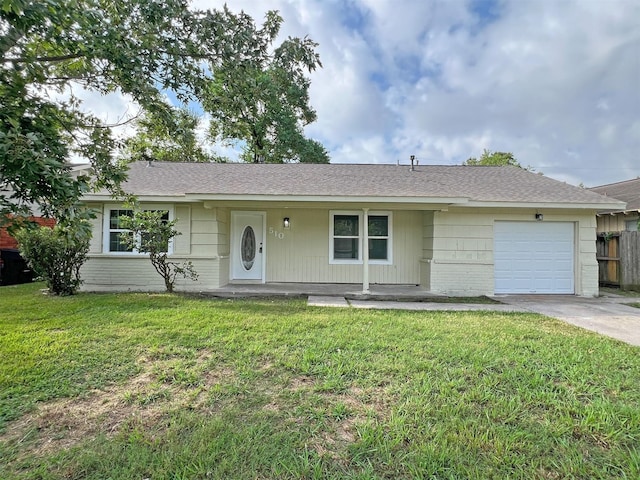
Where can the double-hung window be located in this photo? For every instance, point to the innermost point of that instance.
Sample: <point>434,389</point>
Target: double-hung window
<point>379,238</point>
<point>346,231</point>
<point>114,230</point>
<point>346,237</point>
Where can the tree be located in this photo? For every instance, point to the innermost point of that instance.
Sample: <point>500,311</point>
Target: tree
<point>151,232</point>
<point>494,158</point>
<point>56,254</point>
<point>168,140</point>
<point>263,99</point>
<point>142,48</point>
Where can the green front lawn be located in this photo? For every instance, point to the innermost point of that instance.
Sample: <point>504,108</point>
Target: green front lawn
<point>135,386</point>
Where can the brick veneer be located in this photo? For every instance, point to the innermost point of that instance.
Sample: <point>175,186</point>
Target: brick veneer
<point>7,241</point>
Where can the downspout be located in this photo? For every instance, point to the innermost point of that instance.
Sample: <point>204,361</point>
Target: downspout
<point>365,253</point>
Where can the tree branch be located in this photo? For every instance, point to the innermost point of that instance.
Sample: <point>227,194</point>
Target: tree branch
<point>53,59</point>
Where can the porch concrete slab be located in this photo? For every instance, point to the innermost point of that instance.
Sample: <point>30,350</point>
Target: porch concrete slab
<point>604,315</point>
<point>436,306</point>
<point>324,301</point>
<point>349,290</point>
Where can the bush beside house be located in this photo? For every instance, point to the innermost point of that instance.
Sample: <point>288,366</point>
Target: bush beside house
<point>13,268</point>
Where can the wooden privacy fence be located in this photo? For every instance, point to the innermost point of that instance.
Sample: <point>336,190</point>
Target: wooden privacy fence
<point>619,259</point>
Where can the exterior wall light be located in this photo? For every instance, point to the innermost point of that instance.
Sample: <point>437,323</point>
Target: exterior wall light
<point>286,222</point>
<point>539,217</point>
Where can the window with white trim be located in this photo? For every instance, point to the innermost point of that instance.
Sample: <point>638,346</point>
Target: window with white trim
<point>116,231</point>
<point>113,229</point>
<point>379,237</point>
<point>346,232</point>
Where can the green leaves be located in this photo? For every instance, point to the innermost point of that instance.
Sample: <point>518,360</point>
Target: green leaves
<point>56,254</point>
<point>262,99</point>
<point>140,48</point>
<point>167,136</point>
<point>151,231</point>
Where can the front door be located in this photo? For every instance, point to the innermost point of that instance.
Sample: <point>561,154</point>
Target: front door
<point>247,246</point>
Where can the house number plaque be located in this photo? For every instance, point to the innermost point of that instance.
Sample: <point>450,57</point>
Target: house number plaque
<point>279,235</point>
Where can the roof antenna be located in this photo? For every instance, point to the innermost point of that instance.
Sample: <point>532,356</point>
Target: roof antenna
<point>412,158</point>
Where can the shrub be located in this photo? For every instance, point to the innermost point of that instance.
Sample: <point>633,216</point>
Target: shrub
<point>56,254</point>
<point>151,233</point>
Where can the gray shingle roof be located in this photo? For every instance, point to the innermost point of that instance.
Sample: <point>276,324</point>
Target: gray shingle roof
<point>476,183</point>
<point>627,191</point>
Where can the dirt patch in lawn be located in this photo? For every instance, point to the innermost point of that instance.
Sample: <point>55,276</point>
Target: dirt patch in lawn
<point>168,382</point>
<point>343,413</point>
<point>161,387</point>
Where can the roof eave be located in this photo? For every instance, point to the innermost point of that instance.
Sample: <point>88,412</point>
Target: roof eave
<point>101,197</point>
<point>616,212</point>
<point>547,205</point>
<point>327,198</point>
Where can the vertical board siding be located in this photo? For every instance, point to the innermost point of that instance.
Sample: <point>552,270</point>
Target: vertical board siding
<point>611,223</point>
<point>301,252</point>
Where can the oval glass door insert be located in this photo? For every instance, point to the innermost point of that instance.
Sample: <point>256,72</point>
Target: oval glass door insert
<point>248,247</point>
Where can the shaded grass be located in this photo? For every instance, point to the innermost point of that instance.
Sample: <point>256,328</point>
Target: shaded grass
<point>160,386</point>
<point>618,291</point>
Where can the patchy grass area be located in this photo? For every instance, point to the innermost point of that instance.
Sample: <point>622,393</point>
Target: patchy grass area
<point>617,291</point>
<point>169,387</point>
<point>631,294</point>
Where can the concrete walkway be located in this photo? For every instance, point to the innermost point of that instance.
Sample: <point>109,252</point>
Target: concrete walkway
<point>605,315</point>
<point>337,301</point>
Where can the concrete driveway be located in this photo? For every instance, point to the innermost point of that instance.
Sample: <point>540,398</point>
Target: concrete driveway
<point>605,315</point>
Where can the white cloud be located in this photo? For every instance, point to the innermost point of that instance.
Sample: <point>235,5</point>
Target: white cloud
<point>556,83</point>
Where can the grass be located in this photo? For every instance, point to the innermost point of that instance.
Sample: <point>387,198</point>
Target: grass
<point>170,387</point>
<point>631,294</point>
<point>618,291</point>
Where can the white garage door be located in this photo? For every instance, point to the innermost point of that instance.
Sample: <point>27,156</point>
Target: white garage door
<point>533,257</point>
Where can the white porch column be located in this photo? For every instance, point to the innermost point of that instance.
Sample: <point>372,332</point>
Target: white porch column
<point>365,252</point>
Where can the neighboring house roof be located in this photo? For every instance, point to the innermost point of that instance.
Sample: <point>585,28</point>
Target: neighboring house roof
<point>472,185</point>
<point>627,191</point>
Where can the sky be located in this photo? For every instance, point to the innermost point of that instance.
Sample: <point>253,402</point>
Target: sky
<point>555,82</point>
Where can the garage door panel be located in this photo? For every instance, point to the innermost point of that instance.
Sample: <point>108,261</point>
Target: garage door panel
<point>534,257</point>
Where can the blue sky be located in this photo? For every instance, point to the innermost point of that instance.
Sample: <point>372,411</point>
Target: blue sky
<point>556,82</point>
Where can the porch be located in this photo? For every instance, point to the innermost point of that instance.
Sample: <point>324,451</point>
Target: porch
<point>351,291</point>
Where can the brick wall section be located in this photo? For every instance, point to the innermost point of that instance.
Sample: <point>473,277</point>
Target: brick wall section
<point>7,241</point>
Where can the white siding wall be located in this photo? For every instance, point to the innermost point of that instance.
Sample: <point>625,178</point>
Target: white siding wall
<point>301,253</point>
<point>427,250</point>
<point>447,252</point>
<point>108,273</point>
<point>203,241</point>
<point>462,260</point>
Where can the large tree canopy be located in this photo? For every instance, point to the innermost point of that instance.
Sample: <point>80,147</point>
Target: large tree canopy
<point>141,48</point>
<point>263,100</point>
<point>171,140</point>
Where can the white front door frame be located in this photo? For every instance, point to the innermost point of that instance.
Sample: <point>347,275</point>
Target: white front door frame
<point>250,269</point>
